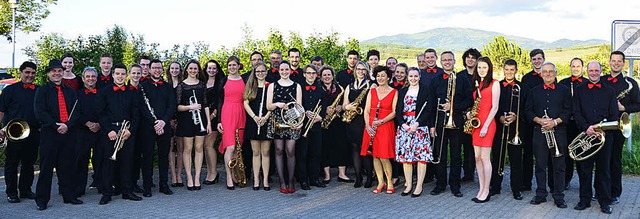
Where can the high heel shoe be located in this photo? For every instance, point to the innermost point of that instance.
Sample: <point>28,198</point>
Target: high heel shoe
<point>190,188</point>
<point>391,190</point>
<point>483,201</point>
<point>214,181</point>
<point>283,190</point>
<point>376,190</point>
<point>292,189</point>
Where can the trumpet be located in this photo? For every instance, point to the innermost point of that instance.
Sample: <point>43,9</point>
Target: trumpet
<point>582,144</point>
<point>451,93</point>
<point>195,114</point>
<point>316,111</point>
<point>236,164</point>
<point>331,116</point>
<point>550,137</point>
<point>117,146</point>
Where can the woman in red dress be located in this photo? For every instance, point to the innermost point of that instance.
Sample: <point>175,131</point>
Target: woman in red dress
<point>482,137</point>
<point>379,114</point>
<point>69,78</point>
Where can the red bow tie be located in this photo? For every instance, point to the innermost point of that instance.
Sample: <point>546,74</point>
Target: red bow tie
<point>116,88</point>
<point>612,79</point>
<point>445,76</point>
<point>432,70</point>
<point>29,86</point>
<point>105,78</point>
<point>349,71</point>
<point>157,82</point>
<point>145,78</point>
<point>87,91</point>
<point>552,86</point>
<point>505,84</point>
<point>573,78</point>
<point>310,87</point>
<point>401,83</point>
<point>295,71</point>
<point>591,85</point>
<point>266,84</point>
<point>537,74</point>
<point>131,87</point>
<point>273,70</point>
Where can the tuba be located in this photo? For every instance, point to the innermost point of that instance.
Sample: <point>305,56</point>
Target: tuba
<point>585,146</point>
<point>473,122</point>
<point>236,164</point>
<point>15,131</point>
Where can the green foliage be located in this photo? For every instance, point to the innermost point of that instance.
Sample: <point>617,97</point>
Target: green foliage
<point>501,49</point>
<point>631,159</point>
<point>28,16</point>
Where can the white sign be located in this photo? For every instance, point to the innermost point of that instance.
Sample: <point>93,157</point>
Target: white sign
<point>625,37</point>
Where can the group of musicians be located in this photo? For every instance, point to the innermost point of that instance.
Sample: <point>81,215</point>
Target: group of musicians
<point>386,121</point>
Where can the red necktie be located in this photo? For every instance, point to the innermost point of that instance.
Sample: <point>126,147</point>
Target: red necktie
<point>432,70</point>
<point>310,87</point>
<point>87,91</point>
<point>579,79</point>
<point>349,71</point>
<point>131,87</point>
<point>62,105</point>
<point>552,86</point>
<point>295,71</point>
<point>157,83</point>
<point>401,83</point>
<point>116,88</point>
<point>612,79</point>
<point>29,86</point>
<point>505,84</point>
<point>105,78</point>
<point>445,76</point>
<point>591,85</point>
<point>273,70</point>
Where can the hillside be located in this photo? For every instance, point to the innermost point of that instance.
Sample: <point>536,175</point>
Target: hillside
<point>459,39</point>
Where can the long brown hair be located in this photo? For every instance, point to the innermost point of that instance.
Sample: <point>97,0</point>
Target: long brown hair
<point>488,78</point>
<point>251,89</point>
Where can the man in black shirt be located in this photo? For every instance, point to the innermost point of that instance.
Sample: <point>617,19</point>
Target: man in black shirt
<point>595,102</point>
<point>531,79</point>
<point>54,106</point>
<point>548,107</point>
<point>346,76</point>
<point>296,72</point>
<point>468,165</point>
<point>88,131</point>
<point>16,103</point>
<point>273,74</point>
<point>431,70</point>
<point>255,58</point>
<point>104,78</point>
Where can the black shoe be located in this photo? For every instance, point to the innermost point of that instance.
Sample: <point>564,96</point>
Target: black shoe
<point>517,196</point>
<point>345,180</point>
<point>74,201</point>
<point>147,193</point>
<point>28,195</point>
<point>174,185</point>
<point>428,180</point>
<point>320,184</point>
<point>358,183</point>
<point>153,185</point>
<point>105,200</point>
<point>166,190</point>
<point>92,185</point>
<point>606,209</point>
<point>137,189</point>
<point>131,196</point>
<point>494,192</point>
<point>326,181</point>
<point>266,188</point>
<point>415,195</point>
<point>116,192</point>
<point>13,199</point>
<point>567,186</point>
<point>42,207</point>
<point>179,184</point>
<point>457,193</point>
<point>436,191</point>
<point>197,188</point>
<point>483,201</point>
<point>231,187</point>
<point>537,200</point>
<point>405,193</point>
<point>560,203</point>
<point>368,183</point>
<point>256,188</point>
<point>305,186</point>
<point>614,200</point>
<point>581,206</point>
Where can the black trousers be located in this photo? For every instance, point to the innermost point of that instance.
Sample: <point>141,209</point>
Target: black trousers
<point>86,141</point>
<point>118,172</point>
<point>308,153</point>
<point>515,160</point>
<point>56,151</point>
<point>22,153</point>
<point>616,162</point>
<point>452,140</point>
<point>527,155</point>
<point>469,161</point>
<point>543,154</point>
<point>149,139</point>
<point>572,132</point>
<point>602,183</point>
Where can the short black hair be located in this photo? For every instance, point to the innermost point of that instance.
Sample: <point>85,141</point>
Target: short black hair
<point>155,61</point>
<point>382,68</point>
<point>106,55</point>
<point>353,52</point>
<point>317,58</point>
<point>536,52</point>
<point>256,52</point>
<point>576,58</point>
<point>471,52</point>
<point>120,65</point>
<point>373,52</point>
<point>28,64</point>
<point>511,62</point>
<point>293,50</point>
<point>617,53</point>
<point>143,57</point>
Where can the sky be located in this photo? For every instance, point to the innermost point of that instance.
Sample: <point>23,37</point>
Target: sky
<point>219,23</point>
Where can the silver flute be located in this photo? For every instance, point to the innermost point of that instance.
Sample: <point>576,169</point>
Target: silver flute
<point>264,90</point>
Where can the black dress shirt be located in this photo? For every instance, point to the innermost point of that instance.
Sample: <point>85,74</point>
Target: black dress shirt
<point>345,77</point>
<point>557,103</point>
<point>593,105</point>
<point>16,102</point>
<point>273,75</point>
<point>507,104</point>
<point>46,105</point>
<point>532,79</point>
<point>631,101</point>
<point>87,105</point>
<point>114,107</point>
<point>104,81</point>
<point>428,74</point>
<point>311,94</point>
<point>461,101</point>
<point>162,99</point>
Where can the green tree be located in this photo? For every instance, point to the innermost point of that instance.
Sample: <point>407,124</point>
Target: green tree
<point>500,49</point>
<point>28,16</point>
<point>601,56</point>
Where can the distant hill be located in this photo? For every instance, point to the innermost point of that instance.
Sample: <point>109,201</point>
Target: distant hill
<point>460,39</point>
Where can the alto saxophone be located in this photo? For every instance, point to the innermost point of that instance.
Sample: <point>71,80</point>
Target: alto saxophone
<point>236,164</point>
<point>348,115</point>
<point>626,91</point>
<point>331,116</point>
<point>473,122</point>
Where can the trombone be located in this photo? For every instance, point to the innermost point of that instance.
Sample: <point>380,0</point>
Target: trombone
<point>506,128</point>
<point>451,93</point>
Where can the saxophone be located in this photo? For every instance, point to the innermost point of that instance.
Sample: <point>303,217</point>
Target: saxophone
<point>236,164</point>
<point>626,91</point>
<point>331,116</point>
<point>348,115</point>
<point>473,122</point>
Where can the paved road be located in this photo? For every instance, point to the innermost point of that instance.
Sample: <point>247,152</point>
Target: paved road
<point>338,200</point>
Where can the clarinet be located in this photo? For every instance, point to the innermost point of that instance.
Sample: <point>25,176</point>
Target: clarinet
<point>146,101</point>
<point>375,118</point>
<point>264,90</point>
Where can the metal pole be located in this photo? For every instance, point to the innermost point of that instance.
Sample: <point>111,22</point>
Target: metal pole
<point>629,140</point>
<point>13,55</point>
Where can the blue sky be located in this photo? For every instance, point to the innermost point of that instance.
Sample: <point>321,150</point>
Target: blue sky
<point>220,23</point>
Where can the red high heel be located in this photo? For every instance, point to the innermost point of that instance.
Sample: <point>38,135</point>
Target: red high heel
<point>376,190</point>
<point>293,188</point>
<point>284,191</point>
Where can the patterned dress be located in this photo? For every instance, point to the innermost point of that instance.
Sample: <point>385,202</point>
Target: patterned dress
<point>415,147</point>
<point>284,95</point>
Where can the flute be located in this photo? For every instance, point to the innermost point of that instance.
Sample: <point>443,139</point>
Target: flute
<point>264,90</point>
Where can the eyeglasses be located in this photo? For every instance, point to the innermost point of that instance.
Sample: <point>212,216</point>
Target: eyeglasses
<point>156,68</point>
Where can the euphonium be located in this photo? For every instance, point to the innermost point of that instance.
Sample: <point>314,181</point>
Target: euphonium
<point>451,93</point>
<point>473,122</point>
<point>195,114</point>
<point>331,116</point>
<point>236,164</point>
<point>117,146</point>
<point>15,131</point>
<point>550,137</point>
<point>348,115</point>
<point>585,146</point>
